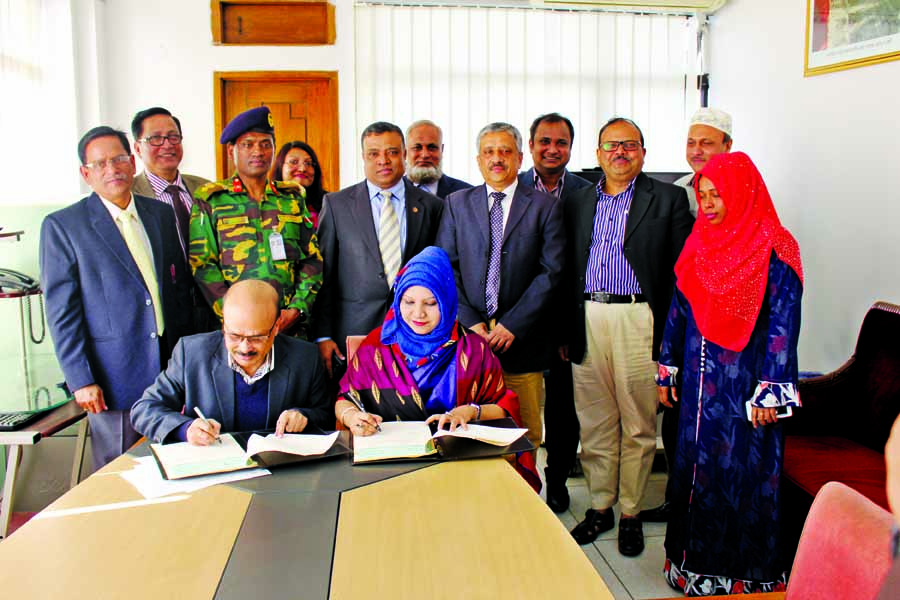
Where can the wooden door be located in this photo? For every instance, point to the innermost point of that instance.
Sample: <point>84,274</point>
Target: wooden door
<point>304,105</point>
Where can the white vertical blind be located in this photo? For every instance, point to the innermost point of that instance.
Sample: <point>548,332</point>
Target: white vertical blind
<point>37,102</point>
<point>465,67</point>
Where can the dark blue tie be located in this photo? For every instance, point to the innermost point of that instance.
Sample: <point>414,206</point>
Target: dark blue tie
<point>492,288</point>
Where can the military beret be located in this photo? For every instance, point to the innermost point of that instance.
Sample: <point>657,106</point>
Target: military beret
<point>256,119</point>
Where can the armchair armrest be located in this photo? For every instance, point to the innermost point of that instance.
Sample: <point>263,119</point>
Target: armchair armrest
<point>822,398</point>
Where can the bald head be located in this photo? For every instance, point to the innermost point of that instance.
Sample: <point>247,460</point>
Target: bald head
<point>249,313</point>
<point>252,296</point>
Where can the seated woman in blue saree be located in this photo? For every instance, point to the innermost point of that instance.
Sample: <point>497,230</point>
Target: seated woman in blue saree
<point>421,364</point>
<point>729,349</point>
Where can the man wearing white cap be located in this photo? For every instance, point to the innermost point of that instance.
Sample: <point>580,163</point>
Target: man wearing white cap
<point>709,134</point>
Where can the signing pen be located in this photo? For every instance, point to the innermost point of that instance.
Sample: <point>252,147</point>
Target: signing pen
<point>206,422</point>
<point>362,409</point>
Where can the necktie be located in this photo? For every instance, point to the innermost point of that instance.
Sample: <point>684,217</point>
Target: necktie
<point>492,288</point>
<point>182,217</point>
<point>389,238</point>
<point>144,263</point>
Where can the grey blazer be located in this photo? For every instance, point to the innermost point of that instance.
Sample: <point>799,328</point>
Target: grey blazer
<point>355,296</point>
<point>142,185</point>
<point>198,375</point>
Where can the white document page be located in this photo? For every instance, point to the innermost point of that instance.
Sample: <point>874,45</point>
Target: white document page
<point>148,481</point>
<point>291,443</point>
<point>498,436</point>
<point>397,439</point>
<point>186,460</point>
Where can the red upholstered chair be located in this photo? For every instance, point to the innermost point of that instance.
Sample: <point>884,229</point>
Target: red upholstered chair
<point>353,342</point>
<point>840,432</point>
<point>844,552</point>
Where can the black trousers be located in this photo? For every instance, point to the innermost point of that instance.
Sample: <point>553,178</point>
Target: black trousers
<point>560,422</point>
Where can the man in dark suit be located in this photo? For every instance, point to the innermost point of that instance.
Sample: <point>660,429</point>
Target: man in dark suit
<point>550,143</point>
<point>623,238</point>
<point>506,244</point>
<point>366,233</point>
<point>243,378</point>
<point>158,143</point>
<point>117,290</point>
<point>424,158</point>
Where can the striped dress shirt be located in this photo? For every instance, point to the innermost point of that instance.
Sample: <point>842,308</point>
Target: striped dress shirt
<point>607,269</point>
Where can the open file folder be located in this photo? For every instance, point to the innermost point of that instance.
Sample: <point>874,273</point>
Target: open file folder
<point>414,440</point>
<point>243,451</point>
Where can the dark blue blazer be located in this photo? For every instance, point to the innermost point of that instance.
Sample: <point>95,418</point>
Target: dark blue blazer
<point>98,307</point>
<point>448,185</point>
<point>199,375</point>
<point>530,267</point>
<point>572,184</point>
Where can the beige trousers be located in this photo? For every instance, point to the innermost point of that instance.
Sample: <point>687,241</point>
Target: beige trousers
<point>529,387</point>
<point>615,400</point>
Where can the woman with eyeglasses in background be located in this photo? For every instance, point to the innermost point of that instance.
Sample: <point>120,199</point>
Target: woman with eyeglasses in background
<point>297,161</point>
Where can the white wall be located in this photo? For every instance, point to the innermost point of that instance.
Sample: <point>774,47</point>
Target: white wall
<point>160,53</point>
<point>828,149</point>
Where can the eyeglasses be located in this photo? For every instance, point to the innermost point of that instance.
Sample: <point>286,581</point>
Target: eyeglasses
<point>306,164</point>
<point>115,161</point>
<point>253,340</point>
<point>159,140</point>
<point>627,145</point>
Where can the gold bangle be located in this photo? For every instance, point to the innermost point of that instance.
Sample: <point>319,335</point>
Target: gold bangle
<point>344,412</point>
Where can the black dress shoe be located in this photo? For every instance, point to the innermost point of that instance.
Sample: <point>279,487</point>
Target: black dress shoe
<point>576,470</point>
<point>558,498</point>
<point>660,514</point>
<point>631,536</point>
<point>595,522</point>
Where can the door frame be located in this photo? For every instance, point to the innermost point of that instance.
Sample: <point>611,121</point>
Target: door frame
<point>221,78</point>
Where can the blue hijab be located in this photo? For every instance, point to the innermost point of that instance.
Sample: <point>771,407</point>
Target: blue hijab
<point>430,269</point>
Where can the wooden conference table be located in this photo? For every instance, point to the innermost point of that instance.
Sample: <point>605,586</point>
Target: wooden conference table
<point>325,529</point>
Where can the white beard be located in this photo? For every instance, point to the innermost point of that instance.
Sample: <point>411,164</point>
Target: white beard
<point>423,174</point>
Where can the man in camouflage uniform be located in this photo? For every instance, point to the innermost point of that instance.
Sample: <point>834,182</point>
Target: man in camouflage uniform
<point>248,227</point>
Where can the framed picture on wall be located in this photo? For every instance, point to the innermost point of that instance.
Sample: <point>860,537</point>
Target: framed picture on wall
<point>843,34</point>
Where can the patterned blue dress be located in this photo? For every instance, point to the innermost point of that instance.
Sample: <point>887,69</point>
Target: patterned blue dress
<point>723,536</point>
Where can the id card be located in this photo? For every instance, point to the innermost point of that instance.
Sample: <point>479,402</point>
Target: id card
<point>276,245</point>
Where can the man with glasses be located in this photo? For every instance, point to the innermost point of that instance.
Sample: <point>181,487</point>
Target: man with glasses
<point>117,291</point>
<point>424,158</point>
<point>248,227</point>
<point>243,378</point>
<point>624,236</point>
<point>158,143</point>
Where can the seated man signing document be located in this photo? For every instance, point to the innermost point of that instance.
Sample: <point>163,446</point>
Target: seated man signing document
<point>243,378</point>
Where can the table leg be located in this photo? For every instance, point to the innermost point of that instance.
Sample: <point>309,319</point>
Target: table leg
<point>9,486</point>
<point>78,460</point>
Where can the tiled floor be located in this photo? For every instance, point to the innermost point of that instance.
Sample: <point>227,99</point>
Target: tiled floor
<point>627,578</point>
